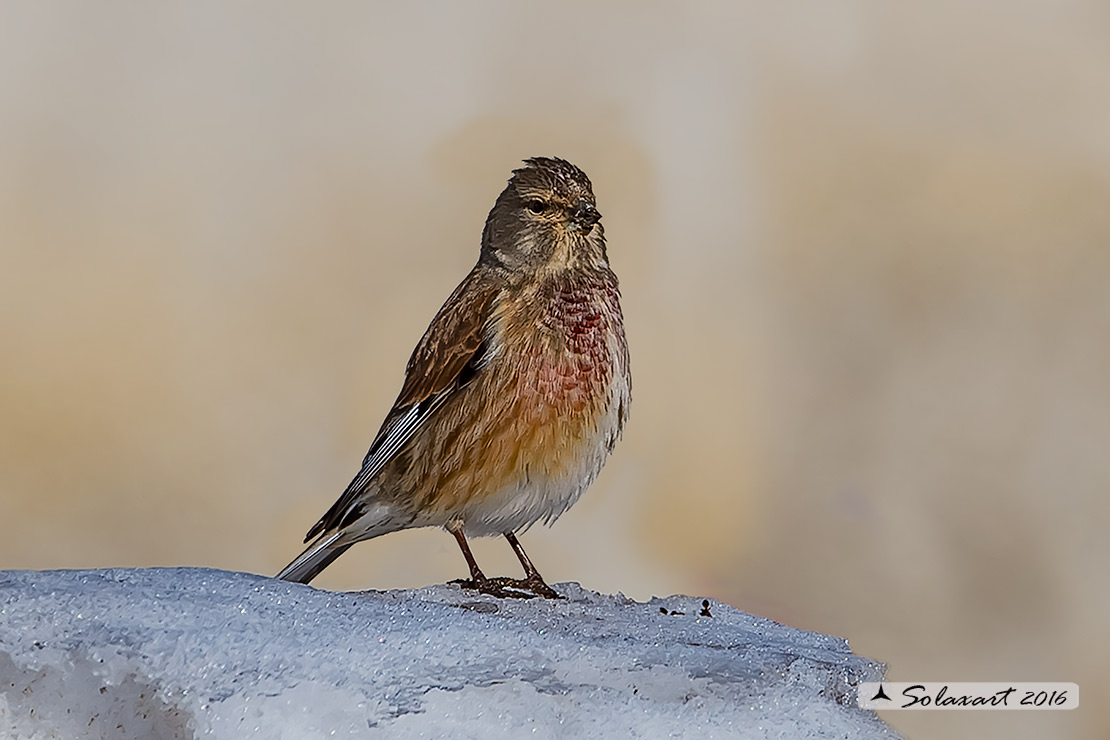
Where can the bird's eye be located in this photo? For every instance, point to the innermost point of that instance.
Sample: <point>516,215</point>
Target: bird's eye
<point>537,206</point>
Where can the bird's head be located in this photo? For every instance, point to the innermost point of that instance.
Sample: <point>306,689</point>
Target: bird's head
<point>546,219</point>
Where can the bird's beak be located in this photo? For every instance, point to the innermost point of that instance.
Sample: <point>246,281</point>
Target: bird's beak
<point>586,214</point>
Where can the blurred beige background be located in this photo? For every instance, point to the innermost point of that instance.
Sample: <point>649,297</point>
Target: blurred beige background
<point>865,253</point>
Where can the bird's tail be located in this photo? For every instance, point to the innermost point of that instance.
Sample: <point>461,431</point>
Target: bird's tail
<point>314,559</point>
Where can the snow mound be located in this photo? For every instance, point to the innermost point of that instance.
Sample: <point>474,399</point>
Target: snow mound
<point>182,652</point>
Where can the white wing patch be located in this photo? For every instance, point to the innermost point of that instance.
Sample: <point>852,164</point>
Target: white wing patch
<point>395,437</point>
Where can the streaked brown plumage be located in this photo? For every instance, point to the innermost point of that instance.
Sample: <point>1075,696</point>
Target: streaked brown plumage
<point>515,395</point>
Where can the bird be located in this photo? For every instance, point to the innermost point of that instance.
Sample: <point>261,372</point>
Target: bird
<point>514,397</point>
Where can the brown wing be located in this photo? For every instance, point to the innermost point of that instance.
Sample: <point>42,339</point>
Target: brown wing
<point>447,357</point>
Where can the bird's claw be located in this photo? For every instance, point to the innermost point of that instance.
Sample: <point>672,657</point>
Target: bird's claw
<point>510,588</point>
<point>535,584</point>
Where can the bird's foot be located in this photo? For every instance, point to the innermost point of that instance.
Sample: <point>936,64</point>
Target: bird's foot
<point>510,588</point>
<point>534,583</point>
<point>500,588</point>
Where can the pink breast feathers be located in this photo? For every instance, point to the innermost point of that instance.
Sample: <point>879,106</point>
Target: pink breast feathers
<point>581,318</point>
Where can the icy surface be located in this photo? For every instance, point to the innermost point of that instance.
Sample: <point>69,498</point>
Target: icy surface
<point>182,653</point>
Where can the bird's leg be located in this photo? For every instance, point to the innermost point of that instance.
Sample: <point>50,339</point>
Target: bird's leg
<point>475,571</point>
<point>478,581</point>
<point>532,581</point>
